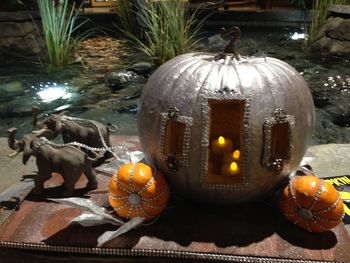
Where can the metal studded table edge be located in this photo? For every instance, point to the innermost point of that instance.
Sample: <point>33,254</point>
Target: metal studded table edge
<point>154,253</point>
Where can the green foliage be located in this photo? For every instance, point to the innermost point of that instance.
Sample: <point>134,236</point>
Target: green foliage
<point>167,29</point>
<point>127,17</point>
<point>320,12</point>
<point>59,22</point>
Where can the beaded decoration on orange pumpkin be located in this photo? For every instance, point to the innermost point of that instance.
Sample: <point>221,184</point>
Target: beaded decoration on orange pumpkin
<point>136,189</point>
<point>311,203</point>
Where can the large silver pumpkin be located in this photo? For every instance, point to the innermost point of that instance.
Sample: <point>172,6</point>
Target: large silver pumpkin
<point>225,130</point>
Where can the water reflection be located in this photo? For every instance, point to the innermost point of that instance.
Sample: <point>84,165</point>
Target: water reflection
<point>50,92</point>
<point>298,36</point>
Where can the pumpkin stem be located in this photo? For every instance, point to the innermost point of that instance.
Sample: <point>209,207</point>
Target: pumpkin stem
<point>134,199</point>
<point>305,214</point>
<point>230,47</point>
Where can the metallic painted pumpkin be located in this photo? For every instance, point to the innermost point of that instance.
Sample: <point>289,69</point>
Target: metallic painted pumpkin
<point>198,109</point>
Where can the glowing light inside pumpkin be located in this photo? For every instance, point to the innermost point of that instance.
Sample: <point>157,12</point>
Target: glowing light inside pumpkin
<point>221,145</point>
<point>234,167</point>
<point>230,169</point>
<point>236,154</point>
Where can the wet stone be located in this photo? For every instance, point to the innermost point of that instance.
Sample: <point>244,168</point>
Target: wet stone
<point>121,79</point>
<point>132,92</point>
<point>326,131</point>
<point>13,88</point>
<point>340,114</point>
<point>342,10</point>
<point>248,47</point>
<point>141,68</point>
<point>123,106</point>
<point>334,38</point>
<point>216,43</point>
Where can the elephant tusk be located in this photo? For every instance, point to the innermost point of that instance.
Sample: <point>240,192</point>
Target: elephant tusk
<point>13,154</point>
<point>39,131</point>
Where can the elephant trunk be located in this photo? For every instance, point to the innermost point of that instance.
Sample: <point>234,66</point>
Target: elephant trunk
<point>12,142</point>
<point>35,111</point>
<point>48,134</point>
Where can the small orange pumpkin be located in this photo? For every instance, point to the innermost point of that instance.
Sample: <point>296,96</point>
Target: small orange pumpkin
<point>136,189</point>
<point>311,203</point>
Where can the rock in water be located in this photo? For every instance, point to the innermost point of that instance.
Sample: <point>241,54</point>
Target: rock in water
<point>334,38</point>
<point>13,88</point>
<point>142,68</point>
<point>119,80</point>
<point>340,10</point>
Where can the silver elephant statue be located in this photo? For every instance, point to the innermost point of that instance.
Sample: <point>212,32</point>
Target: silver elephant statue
<point>69,161</point>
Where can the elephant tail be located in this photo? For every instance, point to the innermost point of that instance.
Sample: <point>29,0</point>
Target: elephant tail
<point>112,128</point>
<point>94,158</point>
<point>91,156</point>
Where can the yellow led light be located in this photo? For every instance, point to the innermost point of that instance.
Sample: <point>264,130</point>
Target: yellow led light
<point>236,154</point>
<point>221,140</point>
<point>234,167</point>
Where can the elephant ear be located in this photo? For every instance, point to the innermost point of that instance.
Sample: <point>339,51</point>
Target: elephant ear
<point>58,127</point>
<point>54,123</point>
<point>48,134</point>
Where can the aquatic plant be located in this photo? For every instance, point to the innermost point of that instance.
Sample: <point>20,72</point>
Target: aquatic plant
<point>320,12</point>
<point>59,23</point>
<point>127,17</point>
<point>167,28</point>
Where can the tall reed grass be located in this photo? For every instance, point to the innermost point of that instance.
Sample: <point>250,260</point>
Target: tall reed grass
<point>167,29</point>
<point>59,23</point>
<point>127,17</point>
<point>320,12</point>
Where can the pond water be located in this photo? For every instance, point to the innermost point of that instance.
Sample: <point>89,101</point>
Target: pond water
<point>107,84</point>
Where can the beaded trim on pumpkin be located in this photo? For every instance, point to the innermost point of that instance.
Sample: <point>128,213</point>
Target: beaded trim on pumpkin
<point>174,114</point>
<point>224,94</point>
<point>279,116</point>
<point>144,200</point>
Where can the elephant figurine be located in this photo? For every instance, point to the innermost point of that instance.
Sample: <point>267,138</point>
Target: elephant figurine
<point>90,133</point>
<point>66,160</point>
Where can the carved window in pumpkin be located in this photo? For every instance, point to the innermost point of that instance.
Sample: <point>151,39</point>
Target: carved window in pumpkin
<point>278,140</point>
<point>175,138</point>
<point>225,142</point>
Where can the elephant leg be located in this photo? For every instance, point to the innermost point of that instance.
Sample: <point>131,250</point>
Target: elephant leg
<point>39,186</point>
<point>39,182</point>
<point>92,180</point>
<point>68,188</point>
